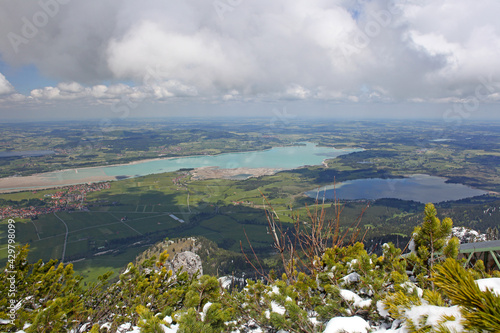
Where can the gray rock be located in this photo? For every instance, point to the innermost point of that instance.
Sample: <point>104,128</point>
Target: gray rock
<point>188,261</point>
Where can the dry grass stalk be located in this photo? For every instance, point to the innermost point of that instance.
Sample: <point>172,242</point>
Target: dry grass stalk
<point>303,250</point>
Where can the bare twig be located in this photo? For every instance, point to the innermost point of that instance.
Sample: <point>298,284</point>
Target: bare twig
<point>311,240</point>
<point>261,271</point>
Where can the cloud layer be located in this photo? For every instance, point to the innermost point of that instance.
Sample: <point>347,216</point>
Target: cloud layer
<point>344,51</point>
<point>5,86</point>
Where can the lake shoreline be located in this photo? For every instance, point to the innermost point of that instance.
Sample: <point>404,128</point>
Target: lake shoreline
<point>418,187</point>
<point>36,181</point>
<point>254,163</point>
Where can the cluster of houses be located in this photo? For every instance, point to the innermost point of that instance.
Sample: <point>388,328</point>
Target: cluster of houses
<point>242,203</point>
<point>27,212</point>
<point>164,150</point>
<point>177,180</point>
<point>66,198</point>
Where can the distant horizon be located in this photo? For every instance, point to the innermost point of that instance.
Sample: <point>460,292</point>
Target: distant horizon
<point>447,113</point>
<point>218,118</point>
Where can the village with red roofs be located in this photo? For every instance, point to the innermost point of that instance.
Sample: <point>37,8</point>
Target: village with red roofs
<point>66,198</point>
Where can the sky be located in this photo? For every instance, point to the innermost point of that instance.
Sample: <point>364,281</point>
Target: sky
<point>75,59</point>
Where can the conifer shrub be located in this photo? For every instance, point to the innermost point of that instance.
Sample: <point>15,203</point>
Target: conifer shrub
<point>481,309</point>
<point>148,322</point>
<point>433,243</point>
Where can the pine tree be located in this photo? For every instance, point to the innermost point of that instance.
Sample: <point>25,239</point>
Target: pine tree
<point>432,237</point>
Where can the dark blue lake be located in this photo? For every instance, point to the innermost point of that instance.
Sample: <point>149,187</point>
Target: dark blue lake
<point>421,188</point>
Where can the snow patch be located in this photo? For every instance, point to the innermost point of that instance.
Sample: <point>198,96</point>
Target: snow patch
<point>126,328</point>
<point>351,263</point>
<point>204,311</point>
<point>106,326</point>
<point>275,307</point>
<point>172,329</point>
<point>352,297</point>
<point>411,287</point>
<point>225,282</point>
<point>381,309</point>
<point>435,314</point>
<point>492,283</point>
<point>466,235</point>
<point>347,324</point>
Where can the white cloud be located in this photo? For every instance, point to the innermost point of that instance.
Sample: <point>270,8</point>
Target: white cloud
<point>171,88</point>
<point>98,91</point>
<point>198,58</point>
<point>17,98</point>
<point>46,93</point>
<point>431,50</point>
<point>5,86</point>
<point>233,94</point>
<point>118,89</point>
<point>297,92</point>
<point>63,91</point>
<point>70,87</point>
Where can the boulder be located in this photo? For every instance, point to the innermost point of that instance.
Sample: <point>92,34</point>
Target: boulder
<point>187,261</point>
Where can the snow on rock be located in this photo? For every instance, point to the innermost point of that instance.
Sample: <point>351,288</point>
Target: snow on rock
<point>250,327</point>
<point>275,307</point>
<point>381,309</point>
<point>225,282</point>
<point>127,270</point>
<point>205,309</point>
<point>275,290</point>
<point>314,321</point>
<point>25,327</point>
<point>125,328</point>
<point>411,286</point>
<point>435,314</point>
<point>352,297</point>
<point>106,326</point>
<point>352,263</point>
<point>466,235</point>
<point>353,277</point>
<point>128,328</point>
<point>172,329</point>
<point>85,328</point>
<point>492,283</point>
<point>347,324</point>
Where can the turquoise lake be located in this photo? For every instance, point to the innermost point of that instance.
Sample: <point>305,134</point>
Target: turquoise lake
<point>275,158</point>
<point>421,188</point>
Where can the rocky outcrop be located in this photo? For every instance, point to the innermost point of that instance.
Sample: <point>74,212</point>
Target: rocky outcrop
<point>187,261</point>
